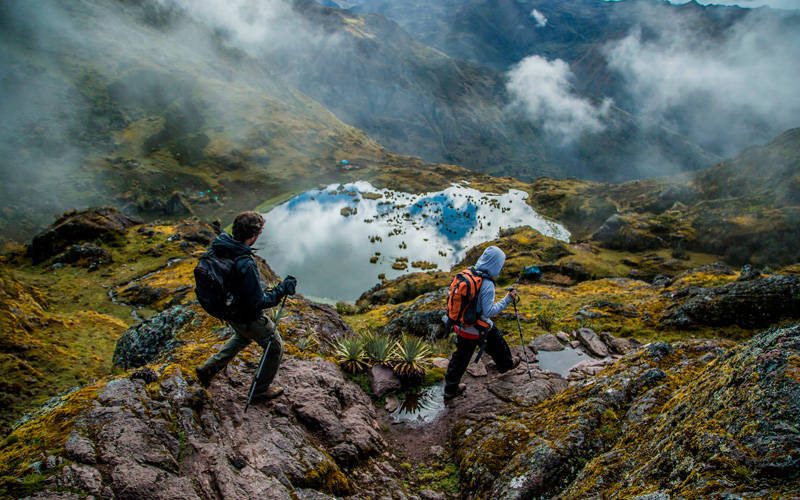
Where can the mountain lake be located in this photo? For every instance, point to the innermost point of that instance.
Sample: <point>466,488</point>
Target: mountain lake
<point>337,240</point>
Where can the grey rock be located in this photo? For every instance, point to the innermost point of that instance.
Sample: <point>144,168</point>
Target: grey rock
<point>658,350</point>
<point>80,449</point>
<point>563,337</point>
<point>345,453</point>
<point>591,342</point>
<point>392,404</point>
<point>82,477</point>
<point>546,342</point>
<point>588,368</point>
<point>749,304</point>
<point>427,324</point>
<point>144,342</point>
<point>432,495</point>
<point>749,273</point>
<point>383,381</point>
<point>616,344</point>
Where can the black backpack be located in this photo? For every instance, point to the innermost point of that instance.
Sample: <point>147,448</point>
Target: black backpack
<point>212,277</point>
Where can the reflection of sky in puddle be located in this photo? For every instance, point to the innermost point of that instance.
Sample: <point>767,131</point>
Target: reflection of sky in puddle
<point>420,408</point>
<point>330,253</point>
<point>560,361</point>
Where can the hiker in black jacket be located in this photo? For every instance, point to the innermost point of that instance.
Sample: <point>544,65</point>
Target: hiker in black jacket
<point>250,323</point>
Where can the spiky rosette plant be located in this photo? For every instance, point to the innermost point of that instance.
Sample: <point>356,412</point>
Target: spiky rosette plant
<point>349,352</point>
<point>306,342</point>
<point>378,348</point>
<point>413,357</point>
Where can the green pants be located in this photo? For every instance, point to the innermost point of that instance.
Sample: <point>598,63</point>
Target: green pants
<point>261,331</point>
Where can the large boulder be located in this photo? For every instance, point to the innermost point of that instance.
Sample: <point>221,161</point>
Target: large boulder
<point>749,304</point>
<point>104,224</point>
<point>144,342</point>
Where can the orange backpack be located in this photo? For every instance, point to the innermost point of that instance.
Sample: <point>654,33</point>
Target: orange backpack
<point>462,304</point>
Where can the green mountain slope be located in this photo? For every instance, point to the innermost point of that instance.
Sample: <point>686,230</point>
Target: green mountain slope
<point>128,102</point>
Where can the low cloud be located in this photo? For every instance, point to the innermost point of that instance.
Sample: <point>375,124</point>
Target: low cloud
<point>725,91</point>
<point>541,20</point>
<point>543,90</point>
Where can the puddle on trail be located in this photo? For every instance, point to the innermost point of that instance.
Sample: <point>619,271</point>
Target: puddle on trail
<point>560,361</point>
<point>338,239</point>
<point>420,408</point>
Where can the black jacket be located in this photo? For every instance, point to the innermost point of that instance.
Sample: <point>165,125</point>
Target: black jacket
<point>251,299</point>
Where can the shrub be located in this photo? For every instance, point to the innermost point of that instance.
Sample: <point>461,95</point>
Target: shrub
<point>413,357</point>
<point>378,348</point>
<point>349,351</point>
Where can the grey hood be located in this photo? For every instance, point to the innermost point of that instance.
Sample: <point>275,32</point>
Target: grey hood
<point>491,261</point>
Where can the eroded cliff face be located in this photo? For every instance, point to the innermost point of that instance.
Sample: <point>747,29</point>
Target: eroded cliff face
<point>692,419</point>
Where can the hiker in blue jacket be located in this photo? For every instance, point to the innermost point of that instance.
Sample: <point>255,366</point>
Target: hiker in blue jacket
<point>488,267</point>
<point>249,323</point>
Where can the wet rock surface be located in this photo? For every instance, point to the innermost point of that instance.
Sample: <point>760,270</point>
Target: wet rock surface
<point>749,304</point>
<point>693,419</point>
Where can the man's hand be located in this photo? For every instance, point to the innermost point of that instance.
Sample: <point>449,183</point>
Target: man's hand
<point>288,285</point>
<point>513,293</point>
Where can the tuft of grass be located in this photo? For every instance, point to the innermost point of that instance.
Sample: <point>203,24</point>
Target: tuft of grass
<point>546,319</point>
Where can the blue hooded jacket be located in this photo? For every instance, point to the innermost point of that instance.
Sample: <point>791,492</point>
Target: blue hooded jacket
<point>489,264</point>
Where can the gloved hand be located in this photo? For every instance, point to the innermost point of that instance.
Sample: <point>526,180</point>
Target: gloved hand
<point>288,285</point>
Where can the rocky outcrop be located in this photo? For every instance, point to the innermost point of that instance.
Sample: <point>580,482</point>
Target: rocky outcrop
<point>179,441</point>
<point>427,324</point>
<point>146,341</point>
<point>85,255</point>
<point>105,224</point>
<point>196,232</point>
<point>694,419</point>
<point>749,304</point>
<point>621,232</point>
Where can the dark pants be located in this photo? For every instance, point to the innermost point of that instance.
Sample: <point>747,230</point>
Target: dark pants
<point>264,333</point>
<point>496,347</point>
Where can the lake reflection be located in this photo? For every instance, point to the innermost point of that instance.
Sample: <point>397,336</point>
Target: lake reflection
<point>326,237</point>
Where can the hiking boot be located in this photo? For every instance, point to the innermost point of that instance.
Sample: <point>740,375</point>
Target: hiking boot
<point>459,391</point>
<point>204,376</point>
<point>272,392</point>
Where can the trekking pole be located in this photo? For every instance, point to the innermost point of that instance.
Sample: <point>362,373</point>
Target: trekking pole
<point>521,340</point>
<point>263,359</point>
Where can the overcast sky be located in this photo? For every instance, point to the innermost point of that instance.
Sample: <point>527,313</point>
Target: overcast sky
<point>778,4</point>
